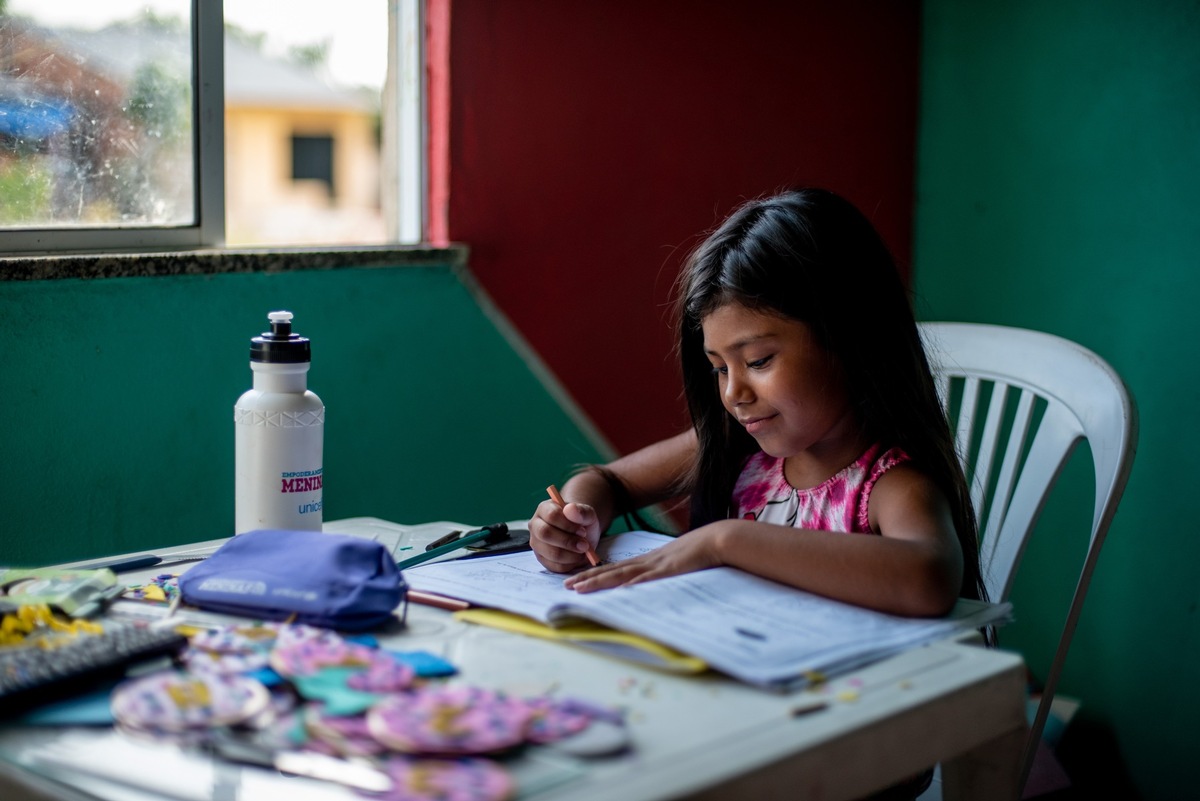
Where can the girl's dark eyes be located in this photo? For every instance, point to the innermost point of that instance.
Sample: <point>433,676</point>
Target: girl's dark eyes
<point>757,364</point>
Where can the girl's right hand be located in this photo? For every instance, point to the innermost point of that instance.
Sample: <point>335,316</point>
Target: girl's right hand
<point>560,535</point>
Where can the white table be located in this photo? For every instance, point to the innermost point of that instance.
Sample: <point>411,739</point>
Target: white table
<point>694,737</point>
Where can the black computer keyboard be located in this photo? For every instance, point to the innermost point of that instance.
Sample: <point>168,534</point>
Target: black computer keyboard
<point>31,676</point>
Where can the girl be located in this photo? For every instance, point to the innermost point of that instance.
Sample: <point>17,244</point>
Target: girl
<point>819,454</point>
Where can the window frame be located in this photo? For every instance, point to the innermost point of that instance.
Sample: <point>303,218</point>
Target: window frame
<point>405,179</point>
<point>208,153</point>
<point>406,165</point>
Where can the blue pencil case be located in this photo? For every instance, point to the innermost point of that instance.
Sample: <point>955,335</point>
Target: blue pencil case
<point>329,580</point>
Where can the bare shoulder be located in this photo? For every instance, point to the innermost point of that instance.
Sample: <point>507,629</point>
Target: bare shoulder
<point>907,503</point>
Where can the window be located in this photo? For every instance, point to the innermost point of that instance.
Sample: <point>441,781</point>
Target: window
<point>134,124</point>
<point>99,146</point>
<point>312,159</point>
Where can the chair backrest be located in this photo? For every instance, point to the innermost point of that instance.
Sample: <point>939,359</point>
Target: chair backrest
<point>1019,402</point>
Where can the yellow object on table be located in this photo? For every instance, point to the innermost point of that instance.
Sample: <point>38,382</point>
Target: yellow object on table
<point>18,625</point>
<point>593,636</point>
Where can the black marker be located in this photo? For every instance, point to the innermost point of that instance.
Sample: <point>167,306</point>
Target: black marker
<point>120,564</point>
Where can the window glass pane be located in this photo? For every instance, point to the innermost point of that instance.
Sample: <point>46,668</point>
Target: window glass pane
<point>303,93</point>
<point>96,110</point>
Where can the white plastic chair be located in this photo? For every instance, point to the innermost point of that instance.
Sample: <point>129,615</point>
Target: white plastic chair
<point>1020,401</point>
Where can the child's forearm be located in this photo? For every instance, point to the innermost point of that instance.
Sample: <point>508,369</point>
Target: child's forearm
<point>655,473</point>
<point>899,576</point>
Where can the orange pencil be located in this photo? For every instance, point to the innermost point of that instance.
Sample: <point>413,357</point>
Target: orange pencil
<point>440,601</point>
<point>557,498</point>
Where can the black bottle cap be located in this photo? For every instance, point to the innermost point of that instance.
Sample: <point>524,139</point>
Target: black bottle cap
<point>280,345</point>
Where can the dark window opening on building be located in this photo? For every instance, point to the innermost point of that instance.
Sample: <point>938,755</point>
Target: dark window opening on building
<point>312,159</point>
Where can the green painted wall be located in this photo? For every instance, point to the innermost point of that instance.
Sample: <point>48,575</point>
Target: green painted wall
<point>117,397</point>
<point>1059,189</point>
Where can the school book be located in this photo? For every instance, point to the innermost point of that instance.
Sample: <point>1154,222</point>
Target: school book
<point>756,630</point>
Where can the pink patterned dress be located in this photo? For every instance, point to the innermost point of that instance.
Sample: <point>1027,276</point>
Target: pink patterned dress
<point>840,503</point>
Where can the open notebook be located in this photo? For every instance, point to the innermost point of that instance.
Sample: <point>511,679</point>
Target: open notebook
<point>404,541</point>
<point>758,631</point>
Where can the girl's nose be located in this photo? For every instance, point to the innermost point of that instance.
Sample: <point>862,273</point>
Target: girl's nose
<point>737,390</point>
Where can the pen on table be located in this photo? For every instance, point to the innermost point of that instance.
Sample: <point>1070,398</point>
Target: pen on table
<point>469,538</point>
<point>807,707</point>
<point>440,541</point>
<point>558,498</point>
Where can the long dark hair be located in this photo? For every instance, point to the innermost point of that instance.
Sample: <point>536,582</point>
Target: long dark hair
<point>810,255</point>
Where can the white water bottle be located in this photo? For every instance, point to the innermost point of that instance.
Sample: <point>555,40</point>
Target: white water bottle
<point>279,439</point>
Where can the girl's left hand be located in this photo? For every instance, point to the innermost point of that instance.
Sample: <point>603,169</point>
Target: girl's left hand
<point>692,551</point>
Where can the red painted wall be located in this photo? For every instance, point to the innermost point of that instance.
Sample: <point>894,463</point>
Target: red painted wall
<point>590,143</point>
